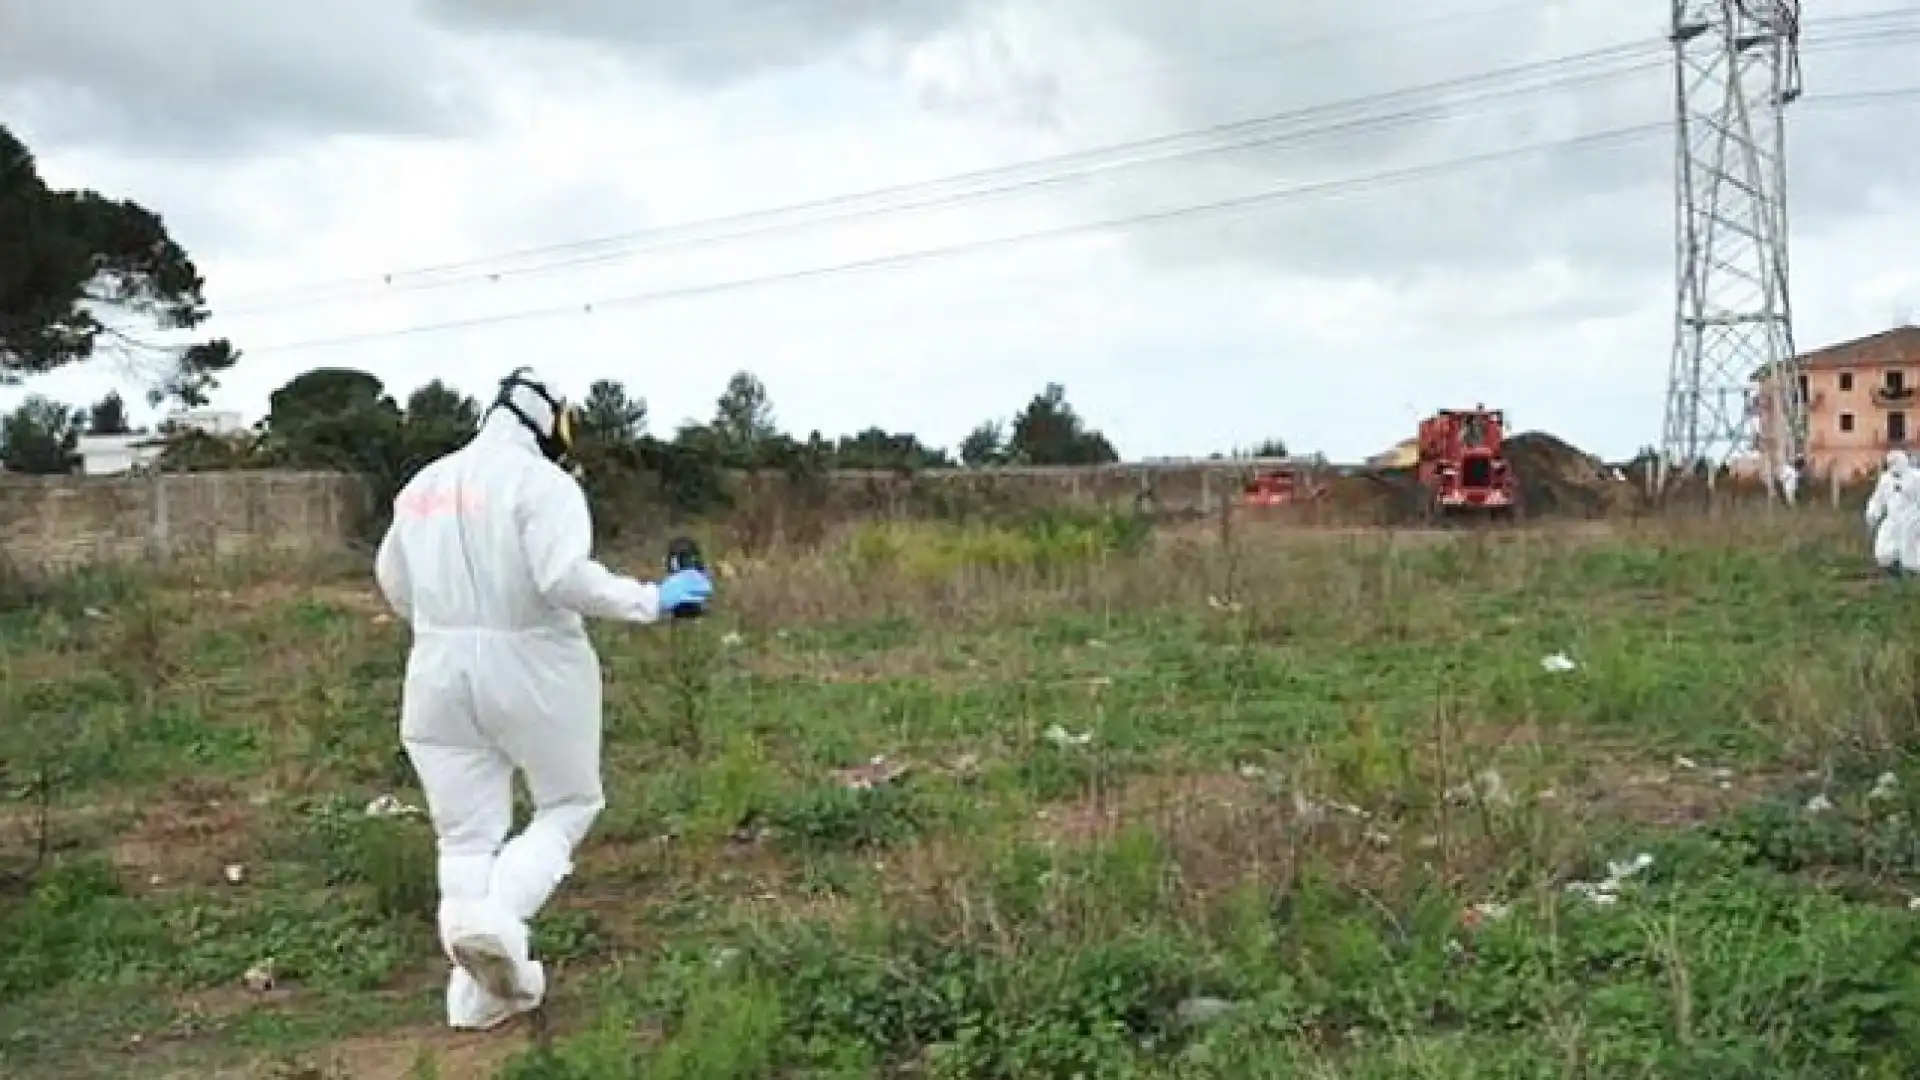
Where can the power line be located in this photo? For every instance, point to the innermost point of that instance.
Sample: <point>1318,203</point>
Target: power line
<point>1356,127</point>
<point>1209,63</point>
<point>1593,140</point>
<point>1290,46</point>
<point>1071,159</point>
<point>1207,140</point>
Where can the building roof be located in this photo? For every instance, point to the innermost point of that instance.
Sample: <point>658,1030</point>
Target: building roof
<point>1900,339</point>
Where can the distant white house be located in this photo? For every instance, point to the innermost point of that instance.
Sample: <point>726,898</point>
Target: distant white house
<point>118,455</point>
<point>210,421</point>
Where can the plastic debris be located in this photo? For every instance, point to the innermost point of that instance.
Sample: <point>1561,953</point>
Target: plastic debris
<point>1060,736</point>
<point>1195,1011</point>
<point>388,806</point>
<point>877,772</point>
<point>1484,912</point>
<point>1557,663</point>
<point>259,977</point>
<point>1312,812</point>
<point>750,830</point>
<point>1488,786</point>
<point>1886,787</point>
<point>1606,891</point>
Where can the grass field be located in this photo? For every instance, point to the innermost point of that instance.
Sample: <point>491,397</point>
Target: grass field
<point>1175,806</point>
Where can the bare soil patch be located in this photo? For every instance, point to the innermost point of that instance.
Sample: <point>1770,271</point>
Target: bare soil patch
<point>190,836</point>
<point>266,595</point>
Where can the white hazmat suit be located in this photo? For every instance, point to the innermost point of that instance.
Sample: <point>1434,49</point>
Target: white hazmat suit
<point>1890,511</point>
<point>1906,508</point>
<point>1788,476</point>
<point>489,562</point>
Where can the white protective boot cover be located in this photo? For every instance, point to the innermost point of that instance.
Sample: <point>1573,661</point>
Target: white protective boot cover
<point>470,1007</point>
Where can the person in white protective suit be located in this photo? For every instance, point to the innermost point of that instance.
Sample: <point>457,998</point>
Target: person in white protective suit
<point>488,560</point>
<point>1788,476</point>
<point>1888,511</point>
<point>1906,508</point>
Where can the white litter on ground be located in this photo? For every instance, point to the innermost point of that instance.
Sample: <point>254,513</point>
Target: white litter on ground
<point>1606,891</point>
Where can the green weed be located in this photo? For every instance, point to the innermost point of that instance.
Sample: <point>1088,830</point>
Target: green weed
<point>1215,803</point>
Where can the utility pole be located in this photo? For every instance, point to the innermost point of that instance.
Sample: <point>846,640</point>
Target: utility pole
<point>1736,69</point>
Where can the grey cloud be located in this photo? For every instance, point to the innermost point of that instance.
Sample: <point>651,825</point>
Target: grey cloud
<point>216,73</point>
<point>1607,208</point>
<point>210,77</point>
<point>709,42</point>
<point>1173,66</point>
<point>1000,65</point>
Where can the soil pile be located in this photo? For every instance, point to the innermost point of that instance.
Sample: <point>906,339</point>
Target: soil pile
<point>1560,480</point>
<point>1557,479</point>
<point>1382,497</point>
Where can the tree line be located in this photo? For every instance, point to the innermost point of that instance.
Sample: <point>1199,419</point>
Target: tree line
<point>346,418</point>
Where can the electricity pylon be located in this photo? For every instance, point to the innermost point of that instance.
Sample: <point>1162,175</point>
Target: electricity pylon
<point>1736,69</point>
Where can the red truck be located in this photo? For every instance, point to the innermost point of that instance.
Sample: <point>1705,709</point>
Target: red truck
<point>1462,465</point>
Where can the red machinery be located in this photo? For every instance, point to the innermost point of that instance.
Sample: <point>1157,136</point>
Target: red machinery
<point>1281,486</point>
<point>1462,465</point>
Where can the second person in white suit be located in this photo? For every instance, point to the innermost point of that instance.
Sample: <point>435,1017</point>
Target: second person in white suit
<point>1890,513</point>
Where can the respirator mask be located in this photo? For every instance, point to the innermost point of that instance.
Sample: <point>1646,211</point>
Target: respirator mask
<point>556,443</point>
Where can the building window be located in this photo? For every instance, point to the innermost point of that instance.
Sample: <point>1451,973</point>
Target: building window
<point>1804,395</point>
<point>1896,427</point>
<point>1896,382</point>
<point>1846,384</point>
<point>1846,421</point>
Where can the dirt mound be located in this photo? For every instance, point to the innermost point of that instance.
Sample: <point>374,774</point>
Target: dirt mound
<point>1561,480</point>
<point>1557,479</point>
<point>1377,497</point>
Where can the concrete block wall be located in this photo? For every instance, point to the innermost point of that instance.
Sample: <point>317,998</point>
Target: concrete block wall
<point>1164,488</point>
<point>54,523</point>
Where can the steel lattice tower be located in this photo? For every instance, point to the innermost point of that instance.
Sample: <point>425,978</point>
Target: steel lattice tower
<point>1736,69</point>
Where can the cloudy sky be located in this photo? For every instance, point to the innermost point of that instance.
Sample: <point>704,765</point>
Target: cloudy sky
<point>449,188</point>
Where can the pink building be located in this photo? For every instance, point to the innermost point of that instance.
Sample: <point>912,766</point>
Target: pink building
<point>1863,399</point>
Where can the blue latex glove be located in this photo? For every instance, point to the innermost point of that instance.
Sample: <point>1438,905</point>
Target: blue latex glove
<point>685,592</point>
